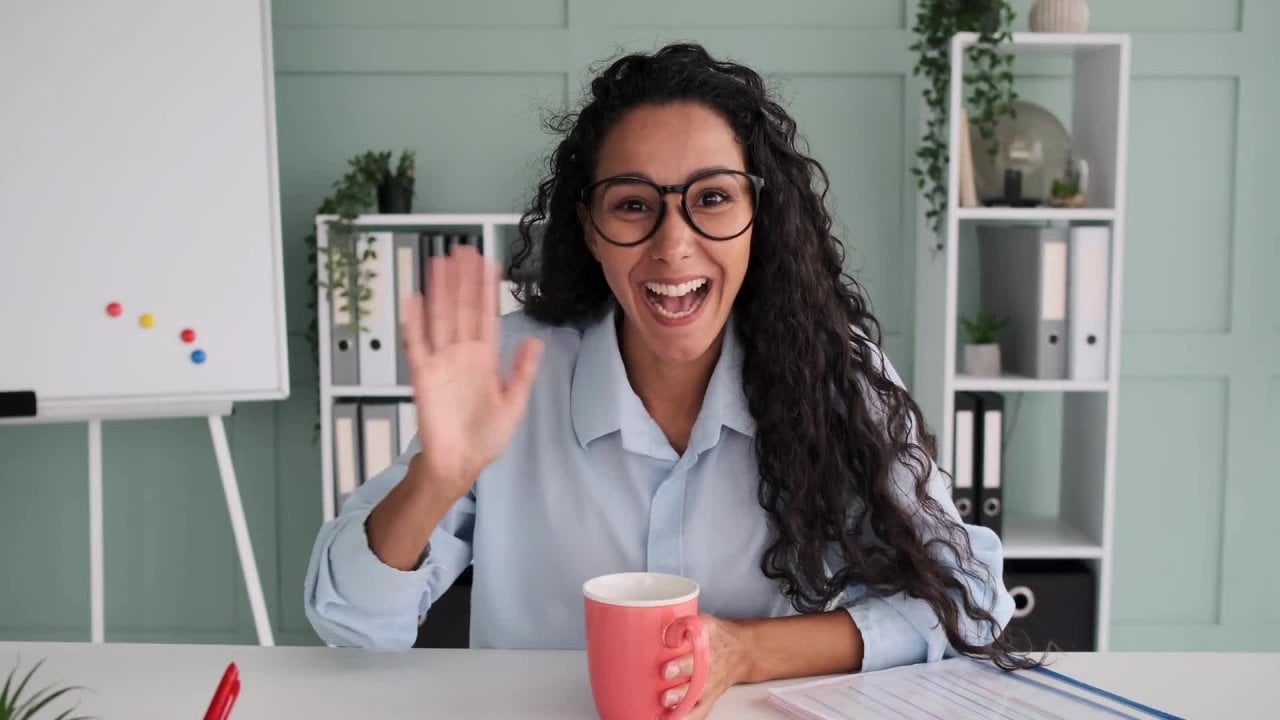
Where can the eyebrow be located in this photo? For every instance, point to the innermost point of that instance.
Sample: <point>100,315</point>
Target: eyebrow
<point>694,173</point>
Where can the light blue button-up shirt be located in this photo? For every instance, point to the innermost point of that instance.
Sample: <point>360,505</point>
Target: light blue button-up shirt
<point>589,485</point>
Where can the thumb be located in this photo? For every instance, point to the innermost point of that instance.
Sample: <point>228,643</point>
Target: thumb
<point>523,372</point>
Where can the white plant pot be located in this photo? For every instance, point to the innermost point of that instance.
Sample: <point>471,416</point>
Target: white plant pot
<point>982,360</point>
<point>1059,16</point>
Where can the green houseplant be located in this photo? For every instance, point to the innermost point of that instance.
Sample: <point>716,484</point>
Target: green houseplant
<point>982,352</point>
<point>988,81</point>
<point>17,704</point>
<point>368,178</point>
<point>368,184</point>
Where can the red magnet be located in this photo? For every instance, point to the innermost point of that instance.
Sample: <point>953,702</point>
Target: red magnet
<point>115,309</point>
<point>188,335</point>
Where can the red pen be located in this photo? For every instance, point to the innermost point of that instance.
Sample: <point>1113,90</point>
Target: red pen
<point>225,696</point>
<point>235,693</point>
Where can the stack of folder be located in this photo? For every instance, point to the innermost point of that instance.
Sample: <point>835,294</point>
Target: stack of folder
<point>374,354</point>
<point>367,438</point>
<point>977,462</point>
<point>1052,284</point>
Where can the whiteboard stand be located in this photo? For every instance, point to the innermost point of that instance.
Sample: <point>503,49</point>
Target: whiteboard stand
<point>235,509</point>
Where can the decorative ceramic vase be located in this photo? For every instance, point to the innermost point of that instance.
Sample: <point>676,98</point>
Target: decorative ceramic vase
<point>982,360</point>
<point>1060,16</point>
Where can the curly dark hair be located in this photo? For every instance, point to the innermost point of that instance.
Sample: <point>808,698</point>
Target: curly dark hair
<point>830,422</point>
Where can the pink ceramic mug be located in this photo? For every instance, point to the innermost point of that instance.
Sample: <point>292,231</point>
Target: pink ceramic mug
<point>628,618</point>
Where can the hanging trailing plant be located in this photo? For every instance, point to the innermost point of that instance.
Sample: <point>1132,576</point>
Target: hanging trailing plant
<point>988,81</point>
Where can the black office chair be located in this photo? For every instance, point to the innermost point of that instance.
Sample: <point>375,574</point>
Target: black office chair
<point>448,622</point>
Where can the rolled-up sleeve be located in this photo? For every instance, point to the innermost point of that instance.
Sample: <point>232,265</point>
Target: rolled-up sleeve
<point>354,599</point>
<point>900,630</point>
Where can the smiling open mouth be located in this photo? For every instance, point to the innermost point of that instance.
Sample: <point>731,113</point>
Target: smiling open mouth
<point>675,302</point>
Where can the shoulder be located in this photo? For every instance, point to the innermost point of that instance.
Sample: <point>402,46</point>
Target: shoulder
<point>877,361</point>
<point>560,342</point>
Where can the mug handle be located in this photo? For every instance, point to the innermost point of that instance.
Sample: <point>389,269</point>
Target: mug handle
<point>690,628</point>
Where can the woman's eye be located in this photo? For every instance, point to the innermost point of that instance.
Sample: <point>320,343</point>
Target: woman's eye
<point>632,205</point>
<point>711,198</point>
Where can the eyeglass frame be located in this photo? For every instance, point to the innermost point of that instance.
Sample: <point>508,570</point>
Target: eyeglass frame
<point>757,185</point>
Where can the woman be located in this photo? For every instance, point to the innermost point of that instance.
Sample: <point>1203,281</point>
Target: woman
<point>693,387</point>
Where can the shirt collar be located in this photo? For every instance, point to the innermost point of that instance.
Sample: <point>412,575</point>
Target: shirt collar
<point>602,400</point>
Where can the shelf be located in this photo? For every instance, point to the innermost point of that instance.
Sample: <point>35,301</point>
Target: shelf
<point>358,391</point>
<point>1051,43</point>
<point>1017,383</point>
<point>1037,537</point>
<point>1037,214</point>
<point>430,219</point>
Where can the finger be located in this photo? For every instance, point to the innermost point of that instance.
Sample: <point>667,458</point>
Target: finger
<point>440,310</point>
<point>680,667</point>
<point>523,372</point>
<point>489,304</point>
<point>470,289</point>
<point>672,697</point>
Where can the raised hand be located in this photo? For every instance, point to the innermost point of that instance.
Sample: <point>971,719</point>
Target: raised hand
<point>467,411</point>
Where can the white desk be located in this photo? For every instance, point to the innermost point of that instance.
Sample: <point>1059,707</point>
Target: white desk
<point>141,682</point>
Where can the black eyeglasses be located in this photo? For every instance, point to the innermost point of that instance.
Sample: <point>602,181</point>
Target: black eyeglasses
<point>719,204</point>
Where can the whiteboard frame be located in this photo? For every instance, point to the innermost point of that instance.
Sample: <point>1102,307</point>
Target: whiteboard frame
<point>137,407</point>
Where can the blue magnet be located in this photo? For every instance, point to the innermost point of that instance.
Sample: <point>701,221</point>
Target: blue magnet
<point>197,357</point>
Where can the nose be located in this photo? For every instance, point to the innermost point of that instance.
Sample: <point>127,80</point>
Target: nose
<point>674,239</point>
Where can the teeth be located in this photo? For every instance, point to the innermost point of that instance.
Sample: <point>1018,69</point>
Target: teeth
<point>675,290</point>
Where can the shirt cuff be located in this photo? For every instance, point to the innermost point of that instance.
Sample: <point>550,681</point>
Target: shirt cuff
<point>367,582</point>
<point>888,639</point>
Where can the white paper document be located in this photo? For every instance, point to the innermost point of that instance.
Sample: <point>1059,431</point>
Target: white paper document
<point>957,689</point>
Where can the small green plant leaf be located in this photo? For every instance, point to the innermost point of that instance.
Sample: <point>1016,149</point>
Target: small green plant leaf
<point>17,693</point>
<point>41,700</point>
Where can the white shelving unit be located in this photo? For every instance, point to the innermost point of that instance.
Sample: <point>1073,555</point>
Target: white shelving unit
<point>1099,130</point>
<point>497,230</point>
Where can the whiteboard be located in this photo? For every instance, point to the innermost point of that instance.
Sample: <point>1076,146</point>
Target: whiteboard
<point>138,166</point>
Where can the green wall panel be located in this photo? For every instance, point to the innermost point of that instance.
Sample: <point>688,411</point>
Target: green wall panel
<point>734,13</point>
<point>1178,257</point>
<point>44,533</point>
<point>1170,497</point>
<point>411,13</point>
<point>853,123</point>
<point>1271,570</point>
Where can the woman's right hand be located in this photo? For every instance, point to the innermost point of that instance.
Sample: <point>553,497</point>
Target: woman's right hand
<point>467,411</point>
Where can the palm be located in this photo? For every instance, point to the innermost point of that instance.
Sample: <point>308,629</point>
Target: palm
<point>460,408</point>
<point>467,410</point>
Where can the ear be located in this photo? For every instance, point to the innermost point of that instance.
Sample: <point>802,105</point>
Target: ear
<point>588,230</point>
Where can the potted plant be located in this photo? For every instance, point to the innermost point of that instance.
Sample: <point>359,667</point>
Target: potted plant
<point>395,189</point>
<point>988,82</point>
<point>15,704</point>
<point>982,352</point>
<point>1069,190</point>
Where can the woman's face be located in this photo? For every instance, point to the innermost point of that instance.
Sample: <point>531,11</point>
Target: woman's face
<point>676,288</point>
